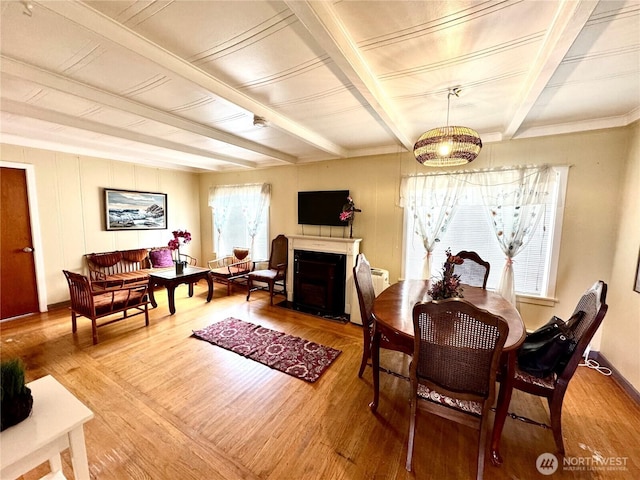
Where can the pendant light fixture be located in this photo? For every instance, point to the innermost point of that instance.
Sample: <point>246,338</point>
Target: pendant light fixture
<point>448,146</point>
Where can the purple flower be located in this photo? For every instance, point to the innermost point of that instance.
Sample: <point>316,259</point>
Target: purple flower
<point>174,243</point>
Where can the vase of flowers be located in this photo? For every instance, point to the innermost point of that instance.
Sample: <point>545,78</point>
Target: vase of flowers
<point>348,213</point>
<point>179,237</point>
<point>449,285</point>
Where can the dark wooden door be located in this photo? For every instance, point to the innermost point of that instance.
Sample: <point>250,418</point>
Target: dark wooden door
<point>18,291</point>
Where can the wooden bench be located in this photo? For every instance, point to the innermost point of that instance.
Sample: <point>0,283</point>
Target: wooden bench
<point>130,266</point>
<point>233,268</point>
<point>93,302</point>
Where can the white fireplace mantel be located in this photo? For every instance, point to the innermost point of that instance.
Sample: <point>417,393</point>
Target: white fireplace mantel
<point>343,246</point>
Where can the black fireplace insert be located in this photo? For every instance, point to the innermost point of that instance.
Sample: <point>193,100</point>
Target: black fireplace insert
<point>319,281</point>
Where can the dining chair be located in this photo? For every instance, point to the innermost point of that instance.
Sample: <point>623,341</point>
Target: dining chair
<point>554,386</point>
<point>366,297</point>
<point>276,273</point>
<point>457,347</point>
<point>474,271</point>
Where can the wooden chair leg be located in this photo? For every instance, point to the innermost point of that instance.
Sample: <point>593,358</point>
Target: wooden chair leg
<point>555,413</point>
<point>412,430</point>
<point>366,351</point>
<point>482,442</point>
<point>271,285</point>
<point>74,322</point>
<point>249,286</point>
<point>146,315</point>
<point>94,331</point>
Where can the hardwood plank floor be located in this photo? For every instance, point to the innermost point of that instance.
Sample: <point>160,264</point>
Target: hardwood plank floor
<point>169,406</point>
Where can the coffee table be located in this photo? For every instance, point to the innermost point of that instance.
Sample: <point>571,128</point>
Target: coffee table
<point>170,279</point>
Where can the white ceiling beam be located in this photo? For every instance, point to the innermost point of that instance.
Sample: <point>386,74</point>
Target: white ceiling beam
<point>86,17</point>
<point>59,143</point>
<point>322,22</point>
<point>571,17</point>
<point>31,111</point>
<point>66,85</point>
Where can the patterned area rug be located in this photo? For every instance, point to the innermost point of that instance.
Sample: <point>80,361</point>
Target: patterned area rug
<point>292,355</point>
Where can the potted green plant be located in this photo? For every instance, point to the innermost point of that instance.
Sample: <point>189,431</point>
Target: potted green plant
<point>16,400</point>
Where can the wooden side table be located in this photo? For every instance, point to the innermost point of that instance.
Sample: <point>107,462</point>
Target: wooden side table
<point>56,423</point>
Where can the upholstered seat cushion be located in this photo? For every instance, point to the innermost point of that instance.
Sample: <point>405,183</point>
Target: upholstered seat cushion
<point>120,279</point>
<point>103,302</point>
<point>228,272</point>
<point>467,406</point>
<point>266,274</point>
<point>546,382</point>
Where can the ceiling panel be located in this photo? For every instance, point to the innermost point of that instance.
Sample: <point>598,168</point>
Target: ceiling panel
<point>179,82</point>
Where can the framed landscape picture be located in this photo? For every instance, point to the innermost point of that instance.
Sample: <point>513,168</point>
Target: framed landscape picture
<point>131,210</point>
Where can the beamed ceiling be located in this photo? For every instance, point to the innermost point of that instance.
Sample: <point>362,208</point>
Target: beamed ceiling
<point>176,84</point>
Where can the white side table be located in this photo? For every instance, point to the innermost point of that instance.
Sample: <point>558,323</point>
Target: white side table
<point>56,423</point>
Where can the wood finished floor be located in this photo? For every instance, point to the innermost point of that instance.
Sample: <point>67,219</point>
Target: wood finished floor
<point>169,406</point>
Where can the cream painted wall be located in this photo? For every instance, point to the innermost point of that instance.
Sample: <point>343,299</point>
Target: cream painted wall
<point>70,203</point>
<point>589,232</point>
<point>621,326</point>
<point>602,191</point>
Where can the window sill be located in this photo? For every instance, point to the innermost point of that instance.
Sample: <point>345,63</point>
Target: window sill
<point>542,301</point>
<point>528,299</point>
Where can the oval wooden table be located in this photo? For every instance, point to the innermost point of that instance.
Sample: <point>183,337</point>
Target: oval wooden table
<point>393,310</point>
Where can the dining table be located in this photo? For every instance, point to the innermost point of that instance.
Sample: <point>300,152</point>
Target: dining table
<point>393,311</point>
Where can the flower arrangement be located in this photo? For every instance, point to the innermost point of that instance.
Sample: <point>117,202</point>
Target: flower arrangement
<point>179,236</point>
<point>348,213</point>
<point>449,285</point>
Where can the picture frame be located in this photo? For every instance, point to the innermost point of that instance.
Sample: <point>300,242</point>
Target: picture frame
<point>134,210</point>
<point>636,286</point>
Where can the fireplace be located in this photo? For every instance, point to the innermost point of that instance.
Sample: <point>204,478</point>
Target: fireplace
<point>319,281</point>
<point>347,248</point>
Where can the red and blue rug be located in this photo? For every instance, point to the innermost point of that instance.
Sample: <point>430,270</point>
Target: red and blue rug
<point>295,356</point>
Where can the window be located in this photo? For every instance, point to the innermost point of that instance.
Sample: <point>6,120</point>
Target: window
<point>468,226</point>
<point>240,218</point>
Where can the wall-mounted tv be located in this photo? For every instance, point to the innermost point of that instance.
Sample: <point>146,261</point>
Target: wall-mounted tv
<point>321,208</point>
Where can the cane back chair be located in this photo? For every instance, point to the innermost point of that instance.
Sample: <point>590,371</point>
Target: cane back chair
<point>554,386</point>
<point>457,347</point>
<point>474,270</point>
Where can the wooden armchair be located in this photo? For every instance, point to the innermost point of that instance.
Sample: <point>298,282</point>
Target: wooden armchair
<point>233,268</point>
<point>105,300</point>
<point>191,261</point>
<point>277,271</point>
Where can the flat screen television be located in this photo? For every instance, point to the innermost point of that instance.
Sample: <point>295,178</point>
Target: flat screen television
<point>321,208</point>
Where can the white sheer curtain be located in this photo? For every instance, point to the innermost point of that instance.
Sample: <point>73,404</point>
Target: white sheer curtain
<point>219,200</point>
<point>432,200</point>
<point>254,199</point>
<point>515,199</point>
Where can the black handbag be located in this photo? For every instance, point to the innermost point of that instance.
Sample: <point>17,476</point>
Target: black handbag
<point>549,348</point>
